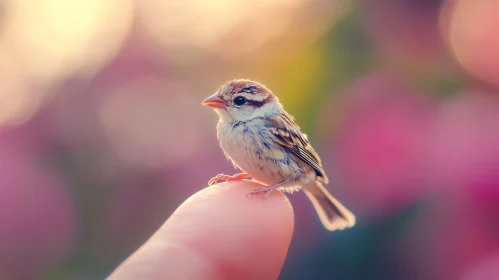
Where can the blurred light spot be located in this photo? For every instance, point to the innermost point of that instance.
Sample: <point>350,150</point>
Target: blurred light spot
<point>152,123</point>
<point>487,269</point>
<point>54,38</point>
<point>473,36</point>
<point>18,99</point>
<point>227,26</point>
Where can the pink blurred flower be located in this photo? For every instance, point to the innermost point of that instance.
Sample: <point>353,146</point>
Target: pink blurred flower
<point>382,148</point>
<point>466,140</point>
<point>37,217</point>
<point>460,226</point>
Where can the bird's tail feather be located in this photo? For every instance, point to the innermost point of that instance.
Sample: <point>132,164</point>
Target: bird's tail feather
<point>332,213</point>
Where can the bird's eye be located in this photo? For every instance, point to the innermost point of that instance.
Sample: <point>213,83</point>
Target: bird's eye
<point>240,101</point>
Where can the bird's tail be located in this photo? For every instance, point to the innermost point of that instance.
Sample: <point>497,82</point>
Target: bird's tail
<point>333,215</point>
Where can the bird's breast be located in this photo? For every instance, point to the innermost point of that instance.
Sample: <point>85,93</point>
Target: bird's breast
<point>251,148</point>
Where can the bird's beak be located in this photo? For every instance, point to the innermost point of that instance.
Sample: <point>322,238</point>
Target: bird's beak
<point>214,101</point>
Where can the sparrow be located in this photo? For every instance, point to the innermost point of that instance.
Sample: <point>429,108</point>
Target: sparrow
<point>261,139</point>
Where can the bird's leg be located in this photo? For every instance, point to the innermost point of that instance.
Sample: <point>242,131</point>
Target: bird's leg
<point>266,190</point>
<point>227,178</point>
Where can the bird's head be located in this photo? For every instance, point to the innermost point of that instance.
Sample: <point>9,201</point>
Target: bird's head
<point>240,100</point>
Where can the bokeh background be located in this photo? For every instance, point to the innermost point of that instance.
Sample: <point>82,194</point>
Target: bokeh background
<point>102,134</point>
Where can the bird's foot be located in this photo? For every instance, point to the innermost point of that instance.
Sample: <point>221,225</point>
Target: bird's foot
<point>266,190</point>
<point>227,178</point>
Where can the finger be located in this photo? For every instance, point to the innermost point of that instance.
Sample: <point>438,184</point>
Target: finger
<point>217,233</point>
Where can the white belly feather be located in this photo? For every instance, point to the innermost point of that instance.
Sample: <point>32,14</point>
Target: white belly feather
<point>250,147</point>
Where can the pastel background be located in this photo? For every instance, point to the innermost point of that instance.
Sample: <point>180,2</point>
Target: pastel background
<point>102,134</point>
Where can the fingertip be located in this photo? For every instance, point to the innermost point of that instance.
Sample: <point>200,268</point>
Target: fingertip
<point>231,235</point>
<point>246,236</point>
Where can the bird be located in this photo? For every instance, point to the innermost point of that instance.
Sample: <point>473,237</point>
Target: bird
<point>263,141</point>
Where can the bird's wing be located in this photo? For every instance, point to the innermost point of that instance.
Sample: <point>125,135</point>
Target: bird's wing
<point>288,134</point>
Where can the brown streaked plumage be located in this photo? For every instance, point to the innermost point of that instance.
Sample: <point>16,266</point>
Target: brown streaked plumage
<point>288,134</point>
<point>263,140</point>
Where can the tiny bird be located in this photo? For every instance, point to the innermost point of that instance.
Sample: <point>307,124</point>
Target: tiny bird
<point>263,140</point>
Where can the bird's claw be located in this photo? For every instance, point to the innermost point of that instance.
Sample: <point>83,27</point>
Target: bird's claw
<point>215,180</point>
<point>267,191</point>
<point>227,178</point>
